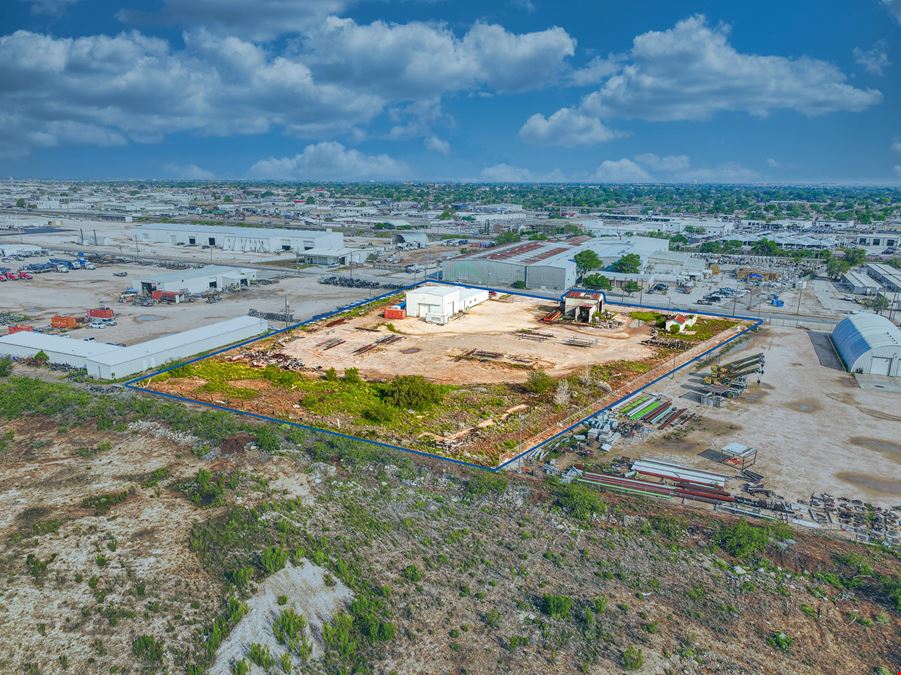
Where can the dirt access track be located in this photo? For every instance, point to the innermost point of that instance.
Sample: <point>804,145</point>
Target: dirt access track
<point>439,353</point>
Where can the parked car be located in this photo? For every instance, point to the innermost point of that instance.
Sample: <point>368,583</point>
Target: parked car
<point>120,274</point>
<point>97,324</point>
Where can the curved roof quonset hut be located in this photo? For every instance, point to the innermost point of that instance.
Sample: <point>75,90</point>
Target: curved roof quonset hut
<point>868,343</point>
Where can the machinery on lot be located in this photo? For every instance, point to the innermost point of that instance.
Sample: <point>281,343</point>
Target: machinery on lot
<point>728,374</point>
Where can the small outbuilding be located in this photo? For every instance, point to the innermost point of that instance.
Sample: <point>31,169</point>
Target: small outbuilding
<point>581,306</point>
<point>680,322</point>
<point>869,344</point>
<point>438,304</point>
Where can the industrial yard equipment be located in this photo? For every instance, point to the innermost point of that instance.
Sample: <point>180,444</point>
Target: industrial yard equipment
<point>738,364</point>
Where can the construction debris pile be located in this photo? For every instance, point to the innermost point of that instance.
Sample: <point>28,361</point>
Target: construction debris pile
<point>865,522</point>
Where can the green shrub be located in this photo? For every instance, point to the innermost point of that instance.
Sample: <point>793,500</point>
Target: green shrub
<point>539,382</point>
<point>273,558</point>
<point>242,576</point>
<point>484,483</point>
<point>413,573</point>
<point>580,502</point>
<point>37,568</point>
<point>259,656</point>
<point>267,439</point>
<point>339,638</point>
<point>289,629</point>
<point>380,413</point>
<point>6,366</point>
<point>208,489</point>
<point>557,606</point>
<point>240,667</point>
<point>779,640</point>
<point>352,376</point>
<point>147,649</point>
<point>103,503</point>
<point>743,540</point>
<point>633,658</point>
<point>412,392</point>
<point>517,641</point>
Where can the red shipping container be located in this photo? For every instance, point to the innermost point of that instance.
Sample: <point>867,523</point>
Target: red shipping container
<point>395,313</point>
<point>19,329</point>
<point>100,313</point>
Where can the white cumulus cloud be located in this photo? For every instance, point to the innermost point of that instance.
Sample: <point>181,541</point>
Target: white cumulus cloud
<point>130,87</point>
<point>416,60</point>
<point>894,8</point>
<point>505,173</point>
<point>329,160</point>
<point>188,171</point>
<point>692,72</point>
<point>873,60</point>
<point>668,164</point>
<point>620,171</point>
<point>438,145</point>
<point>254,19</point>
<point>567,127</point>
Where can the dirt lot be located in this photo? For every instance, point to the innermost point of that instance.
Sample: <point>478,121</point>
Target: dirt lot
<point>484,406</point>
<point>74,293</point>
<point>816,430</point>
<point>438,351</point>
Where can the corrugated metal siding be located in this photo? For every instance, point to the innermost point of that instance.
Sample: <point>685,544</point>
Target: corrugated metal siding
<point>855,337</point>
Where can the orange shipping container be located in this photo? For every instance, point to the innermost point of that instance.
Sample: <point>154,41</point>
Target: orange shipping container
<point>395,313</point>
<point>64,322</point>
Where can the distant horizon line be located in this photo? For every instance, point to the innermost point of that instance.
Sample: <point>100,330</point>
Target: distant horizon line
<point>336,181</point>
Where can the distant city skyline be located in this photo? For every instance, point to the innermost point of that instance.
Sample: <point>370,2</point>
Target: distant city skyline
<point>505,91</point>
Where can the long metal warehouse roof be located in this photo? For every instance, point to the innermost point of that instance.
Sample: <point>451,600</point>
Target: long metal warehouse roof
<point>860,333</point>
<point>236,231</point>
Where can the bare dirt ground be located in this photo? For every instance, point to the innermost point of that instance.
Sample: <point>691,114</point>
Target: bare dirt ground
<point>48,294</point>
<point>816,430</point>
<point>436,351</point>
<point>306,592</point>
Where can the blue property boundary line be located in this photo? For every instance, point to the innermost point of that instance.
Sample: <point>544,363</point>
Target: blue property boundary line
<point>133,383</point>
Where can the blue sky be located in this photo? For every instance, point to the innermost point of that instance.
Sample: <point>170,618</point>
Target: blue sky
<point>506,90</point>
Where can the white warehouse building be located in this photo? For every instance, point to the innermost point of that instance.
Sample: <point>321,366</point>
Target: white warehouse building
<point>196,280</point>
<point>111,362</point>
<point>241,239</point>
<point>868,343</point>
<point>438,304</point>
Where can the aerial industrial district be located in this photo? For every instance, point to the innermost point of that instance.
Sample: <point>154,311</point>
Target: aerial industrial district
<point>733,367</point>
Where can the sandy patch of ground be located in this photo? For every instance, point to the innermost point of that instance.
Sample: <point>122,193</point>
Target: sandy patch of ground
<point>436,351</point>
<point>308,594</point>
<point>816,430</point>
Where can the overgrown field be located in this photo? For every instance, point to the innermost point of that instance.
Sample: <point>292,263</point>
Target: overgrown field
<point>137,534</point>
